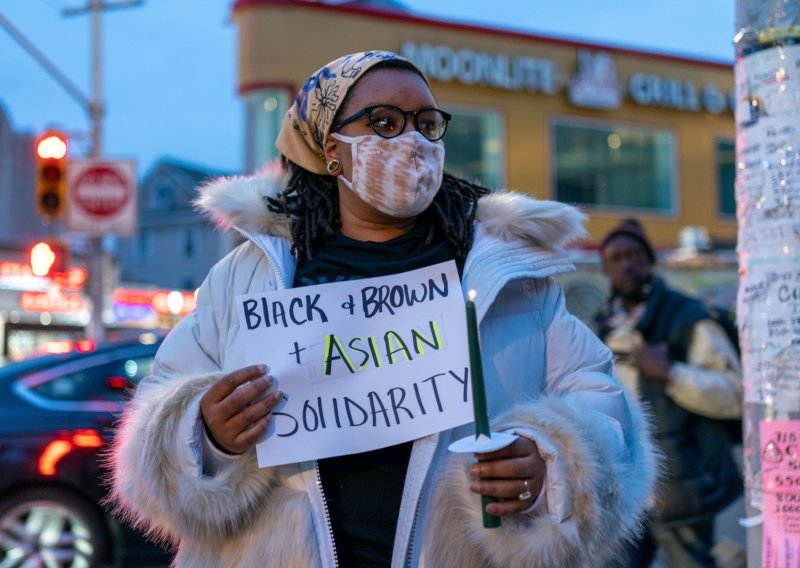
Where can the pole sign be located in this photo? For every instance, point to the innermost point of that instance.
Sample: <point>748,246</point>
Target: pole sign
<point>780,479</point>
<point>101,197</point>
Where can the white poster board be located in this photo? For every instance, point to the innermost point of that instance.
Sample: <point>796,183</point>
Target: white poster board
<point>363,364</point>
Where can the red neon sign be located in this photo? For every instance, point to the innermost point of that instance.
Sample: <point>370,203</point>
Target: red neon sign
<point>8,268</point>
<point>54,300</point>
<point>163,302</point>
<point>71,279</point>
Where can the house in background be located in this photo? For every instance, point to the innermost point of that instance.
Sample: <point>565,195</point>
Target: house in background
<point>175,246</point>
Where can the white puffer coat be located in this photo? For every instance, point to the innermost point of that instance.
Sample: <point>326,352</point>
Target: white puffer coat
<point>547,377</point>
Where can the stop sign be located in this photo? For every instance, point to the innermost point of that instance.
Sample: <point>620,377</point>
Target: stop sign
<point>101,197</point>
<point>101,191</point>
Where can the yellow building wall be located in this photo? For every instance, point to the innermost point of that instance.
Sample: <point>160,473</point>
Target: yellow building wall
<point>281,44</point>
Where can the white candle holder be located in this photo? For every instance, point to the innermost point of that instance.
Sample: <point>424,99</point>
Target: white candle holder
<point>482,444</point>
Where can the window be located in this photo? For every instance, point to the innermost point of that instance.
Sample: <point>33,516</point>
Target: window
<point>726,175</point>
<point>474,146</point>
<point>189,242</point>
<point>265,110</point>
<point>108,382</point>
<point>614,166</point>
<point>144,248</point>
<point>166,197</point>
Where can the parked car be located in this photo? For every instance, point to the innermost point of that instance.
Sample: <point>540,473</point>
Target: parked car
<point>57,414</point>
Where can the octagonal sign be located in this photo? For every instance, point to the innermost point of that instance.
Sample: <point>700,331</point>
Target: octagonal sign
<point>101,197</point>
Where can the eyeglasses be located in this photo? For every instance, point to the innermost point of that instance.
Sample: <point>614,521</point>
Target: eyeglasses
<point>389,121</point>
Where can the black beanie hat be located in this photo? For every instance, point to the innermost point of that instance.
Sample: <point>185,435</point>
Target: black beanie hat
<point>631,228</point>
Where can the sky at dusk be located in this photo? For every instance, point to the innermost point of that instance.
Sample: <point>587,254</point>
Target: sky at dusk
<point>169,66</point>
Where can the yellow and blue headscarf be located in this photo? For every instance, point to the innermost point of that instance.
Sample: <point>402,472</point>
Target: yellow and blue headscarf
<point>308,121</point>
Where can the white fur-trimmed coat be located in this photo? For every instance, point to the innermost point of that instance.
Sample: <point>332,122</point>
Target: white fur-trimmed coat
<point>547,377</point>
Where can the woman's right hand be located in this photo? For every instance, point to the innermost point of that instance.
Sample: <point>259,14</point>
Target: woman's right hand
<point>236,409</point>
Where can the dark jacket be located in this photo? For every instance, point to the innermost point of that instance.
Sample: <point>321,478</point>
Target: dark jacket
<point>701,477</point>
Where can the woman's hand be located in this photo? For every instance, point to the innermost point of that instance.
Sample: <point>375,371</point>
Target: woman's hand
<point>503,474</point>
<point>236,409</point>
<point>653,361</point>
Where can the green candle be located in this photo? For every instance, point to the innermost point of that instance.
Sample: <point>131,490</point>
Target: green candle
<point>479,396</point>
<point>476,370</point>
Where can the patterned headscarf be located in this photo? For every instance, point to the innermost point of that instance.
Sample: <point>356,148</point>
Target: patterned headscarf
<point>306,124</point>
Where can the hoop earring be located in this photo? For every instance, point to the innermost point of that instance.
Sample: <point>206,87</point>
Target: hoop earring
<point>332,166</point>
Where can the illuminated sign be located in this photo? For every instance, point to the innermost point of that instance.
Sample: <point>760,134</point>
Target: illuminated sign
<point>593,85</point>
<point>173,303</point>
<point>71,279</point>
<point>53,300</point>
<point>162,302</point>
<point>20,276</point>
<point>470,67</point>
<point>653,90</point>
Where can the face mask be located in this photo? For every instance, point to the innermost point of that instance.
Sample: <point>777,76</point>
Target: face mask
<point>397,176</point>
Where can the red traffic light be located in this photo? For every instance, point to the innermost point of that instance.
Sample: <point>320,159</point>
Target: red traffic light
<point>51,174</point>
<point>52,145</point>
<point>46,258</point>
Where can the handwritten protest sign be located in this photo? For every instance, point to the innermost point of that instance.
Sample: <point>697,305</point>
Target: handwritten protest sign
<point>780,467</point>
<point>364,364</point>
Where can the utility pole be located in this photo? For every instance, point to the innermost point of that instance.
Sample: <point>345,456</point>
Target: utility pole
<point>100,272</point>
<point>767,46</point>
<point>99,261</point>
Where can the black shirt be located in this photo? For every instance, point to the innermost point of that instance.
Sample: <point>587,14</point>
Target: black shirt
<point>342,258</point>
<point>363,491</point>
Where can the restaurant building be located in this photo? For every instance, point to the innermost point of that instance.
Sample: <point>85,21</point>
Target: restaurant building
<point>620,133</point>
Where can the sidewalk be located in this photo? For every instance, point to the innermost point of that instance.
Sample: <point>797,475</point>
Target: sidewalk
<point>731,539</point>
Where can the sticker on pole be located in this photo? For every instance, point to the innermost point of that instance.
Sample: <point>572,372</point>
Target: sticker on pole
<point>780,477</point>
<point>101,197</point>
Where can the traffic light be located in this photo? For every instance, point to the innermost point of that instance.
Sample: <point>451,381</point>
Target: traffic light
<point>51,174</point>
<point>47,258</point>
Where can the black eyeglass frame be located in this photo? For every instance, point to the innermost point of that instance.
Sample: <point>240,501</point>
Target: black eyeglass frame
<point>414,114</point>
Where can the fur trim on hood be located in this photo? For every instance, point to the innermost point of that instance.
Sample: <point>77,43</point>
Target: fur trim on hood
<point>239,202</point>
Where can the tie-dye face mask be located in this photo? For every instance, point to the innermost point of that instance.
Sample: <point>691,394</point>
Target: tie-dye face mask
<point>397,176</point>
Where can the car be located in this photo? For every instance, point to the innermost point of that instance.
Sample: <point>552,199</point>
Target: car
<point>57,416</point>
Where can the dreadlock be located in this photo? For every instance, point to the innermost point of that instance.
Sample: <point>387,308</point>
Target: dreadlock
<point>311,201</point>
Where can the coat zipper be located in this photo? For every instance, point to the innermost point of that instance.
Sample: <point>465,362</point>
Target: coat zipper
<point>413,556</point>
<point>413,533</point>
<point>278,274</point>
<point>327,513</point>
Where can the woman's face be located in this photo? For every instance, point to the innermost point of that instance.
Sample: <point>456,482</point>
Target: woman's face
<point>396,87</point>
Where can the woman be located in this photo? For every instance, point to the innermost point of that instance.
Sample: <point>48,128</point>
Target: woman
<point>363,194</point>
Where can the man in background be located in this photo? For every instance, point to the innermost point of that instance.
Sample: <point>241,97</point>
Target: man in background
<point>684,367</point>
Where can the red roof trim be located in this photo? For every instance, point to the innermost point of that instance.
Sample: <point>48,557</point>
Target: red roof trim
<point>291,88</point>
<point>460,26</point>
